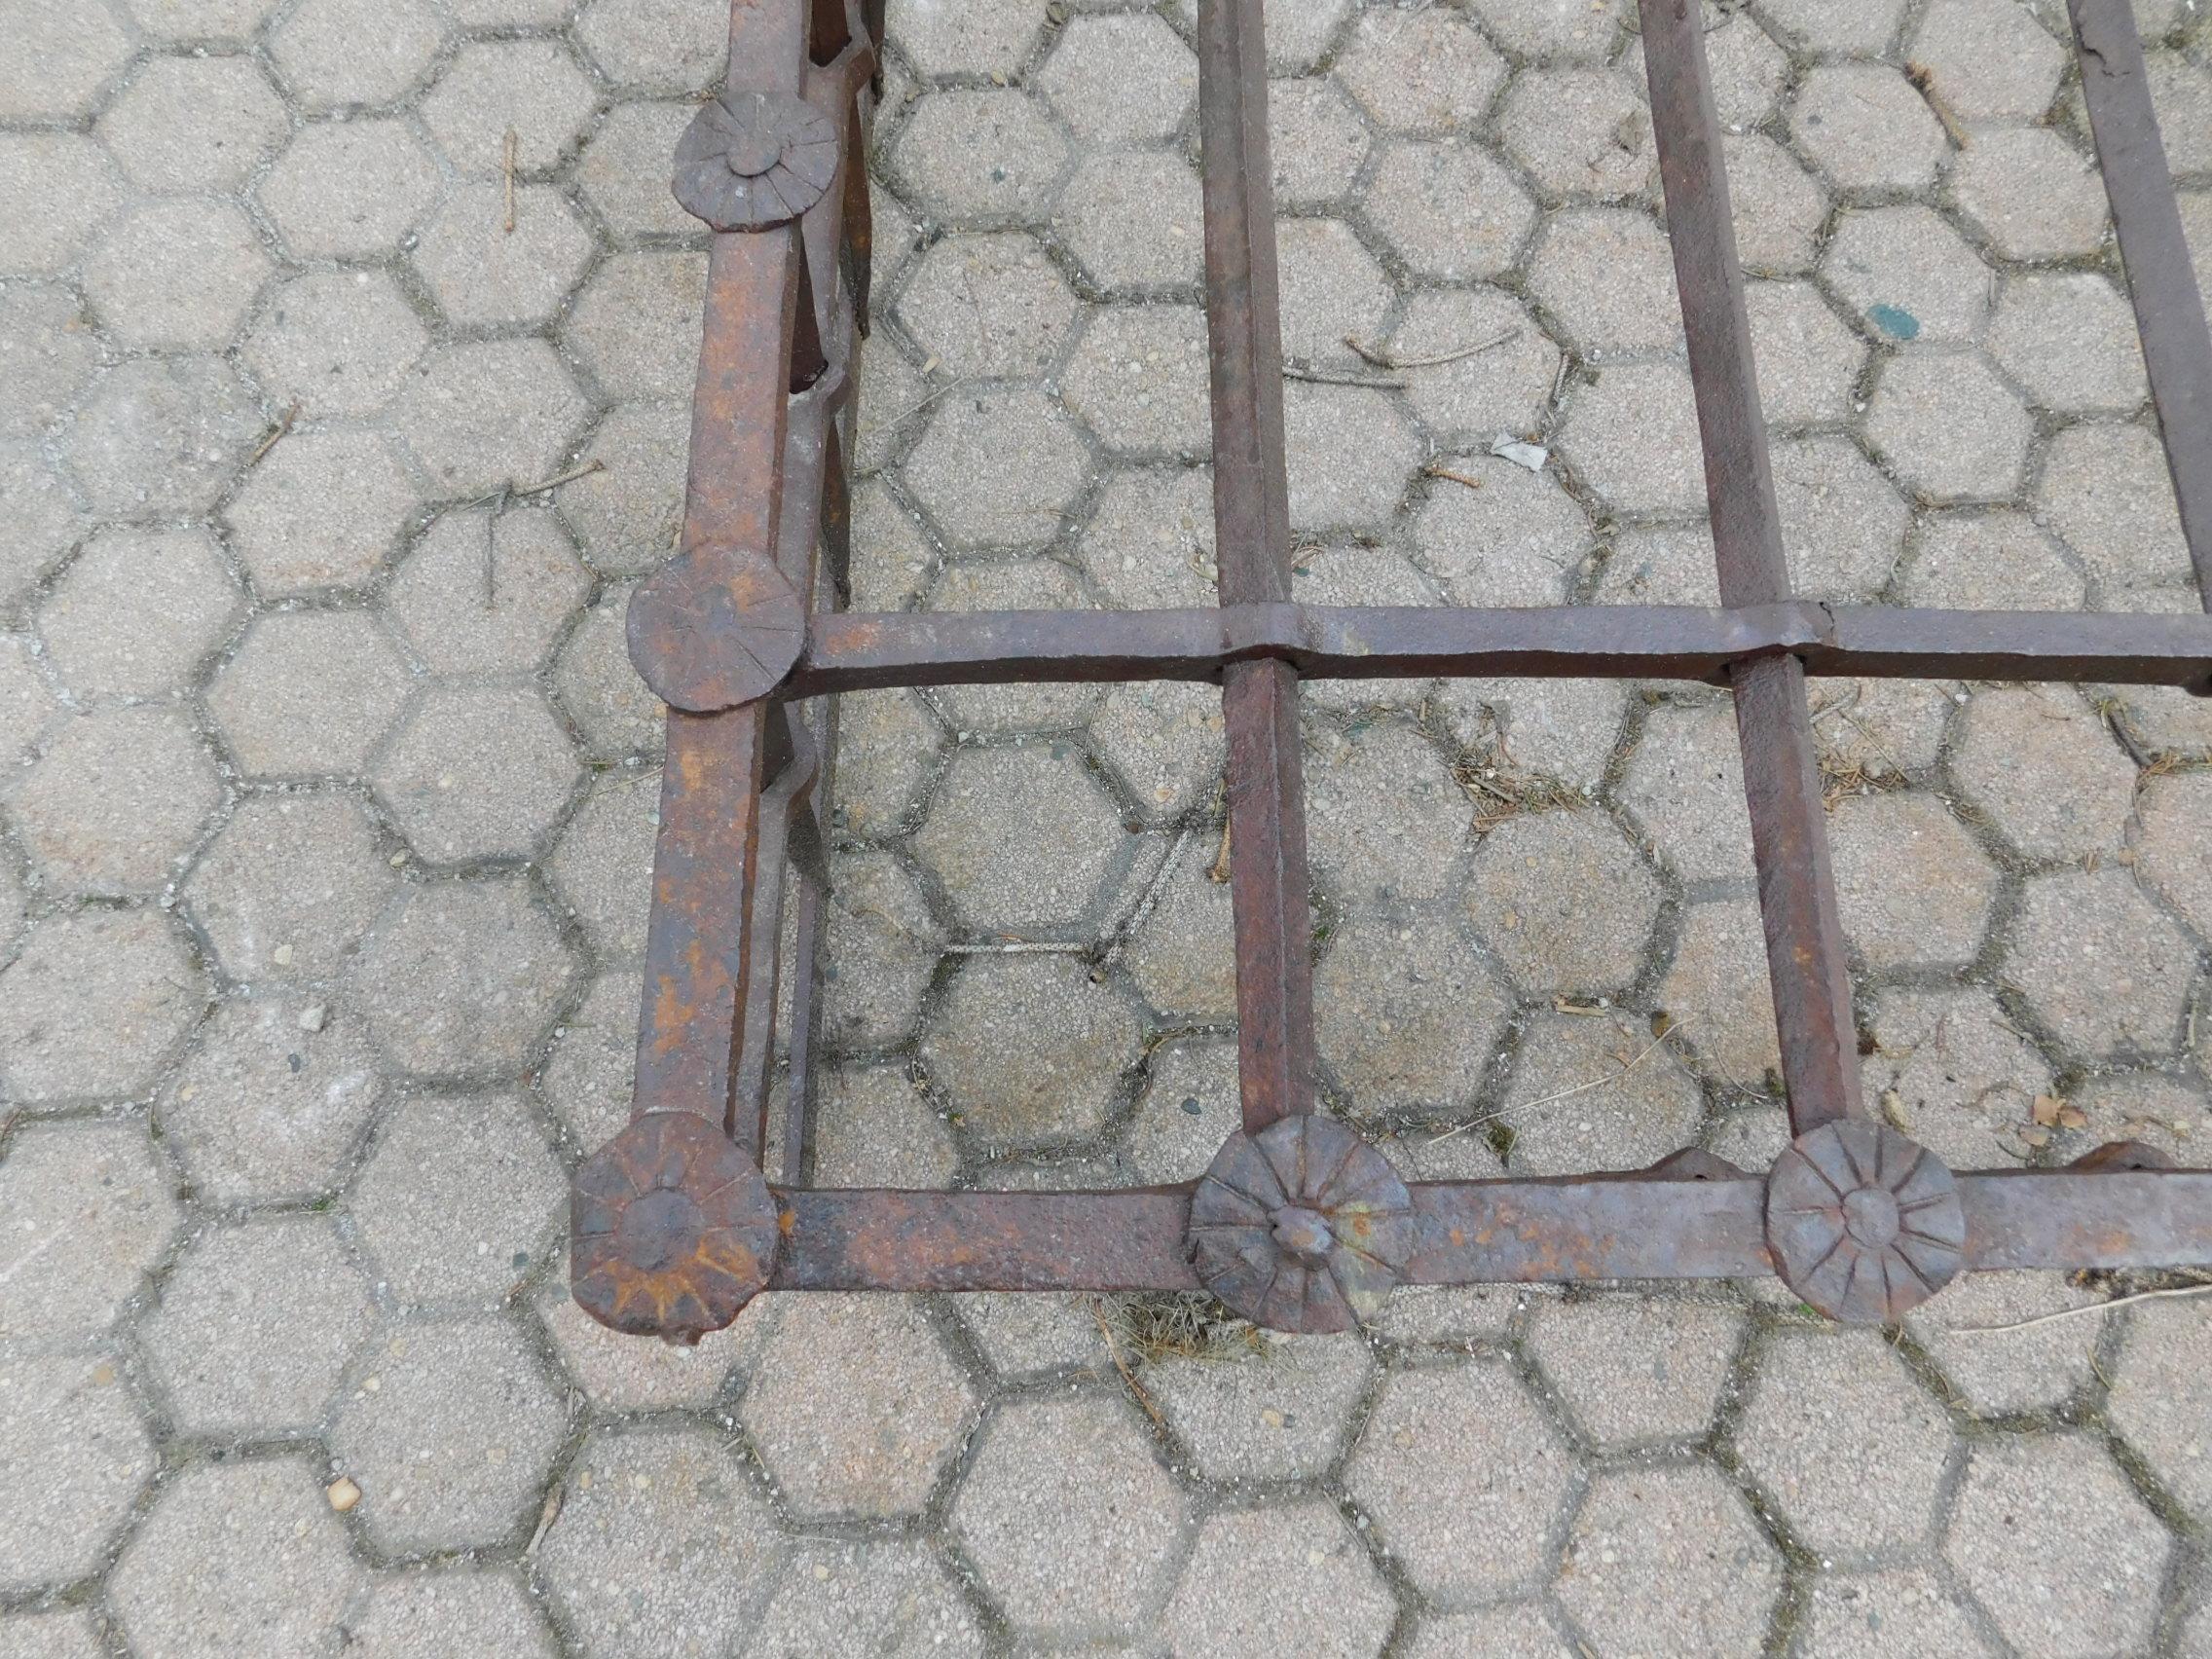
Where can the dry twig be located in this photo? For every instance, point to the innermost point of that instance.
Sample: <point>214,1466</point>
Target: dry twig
<point>1921,76</point>
<point>1382,359</point>
<point>2087,1308</point>
<point>545,1519</point>
<point>507,171</point>
<point>284,426</point>
<point>1114,1354</point>
<point>1437,469</point>
<point>1560,1094</point>
<point>1333,376</point>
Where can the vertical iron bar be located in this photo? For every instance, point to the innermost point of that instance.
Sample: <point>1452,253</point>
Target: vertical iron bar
<point>1251,499</point>
<point>2169,311</point>
<point>1804,932</point>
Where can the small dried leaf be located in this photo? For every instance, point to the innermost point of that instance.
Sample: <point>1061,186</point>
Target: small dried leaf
<point>2046,1110</point>
<point>2073,1117</point>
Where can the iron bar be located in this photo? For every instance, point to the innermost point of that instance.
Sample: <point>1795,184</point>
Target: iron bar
<point>1806,963</point>
<point>861,650</point>
<point>1252,493</point>
<point>2169,311</point>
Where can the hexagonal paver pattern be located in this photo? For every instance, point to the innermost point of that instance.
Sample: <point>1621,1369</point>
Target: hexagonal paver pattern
<point>1289,1579</point>
<point>323,511</point>
<point>1843,1440</point>
<point>477,773</point>
<point>116,799</point>
<point>2149,1401</point>
<point>1277,1413</point>
<point>2058,1497</point>
<point>1020,838</point>
<point>243,1558</point>
<point>1634,1370</point>
<point>1023,450</point>
<point>1405,1013</point>
<point>1913,887</point>
<point>855,1407</point>
<point>73,1457</point>
<point>449,1430</point>
<point>1669,1559</point>
<point>2099,964</point>
<point>96,999</point>
<point>463,978</point>
<point>1450,210</point>
<point>456,1197</point>
<point>1563,900</point>
<point>1083,1459</point>
<point>307,693</point>
<point>883,1597</point>
<point>288,886</point>
<point>1079,1037</point>
<point>1464,1478</point>
<point>137,611</point>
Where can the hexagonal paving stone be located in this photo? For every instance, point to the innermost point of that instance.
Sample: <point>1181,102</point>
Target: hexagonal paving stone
<point>589,1071</point>
<point>189,123</point>
<point>2165,853</point>
<point>1596,1093</point>
<point>1563,899</point>
<point>456,1197</point>
<point>96,998</point>
<point>1138,379</point>
<point>1716,992</point>
<point>2046,770</point>
<point>626,514</point>
<point>96,1187</point>
<point>1806,1436</point>
<point>973,156</point>
<point>1150,539</point>
<point>254,1326</point>
<point>624,172</point>
<point>531,87</point>
<point>1331,286</point>
<point>1977,561</point>
<point>636,324</point>
<point>886,1595</point>
<point>1456,1454</point>
<point>488,267</point>
<point>2160,1358</point>
<point>1608,276</point>
<point>1914,887</point>
<point>1166,740</point>
<point>603,869</point>
<point>1907,275</point>
<point>288,886</point>
<point>1077,1038</point>
<point>240,1558</point>
<point>1685,788</point>
<point>1671,1560</point>
<point>1504,387</point>
<point>1948,427</point>
<point>1315,142</point>
<point>488,593</point>
<point>335,51</point>
<point>1431,72</point>
<point>2030,193</point>
<point>349,189</point>
<point>1083,1459</point>
<point>2039,1369</point>
<point>1407,1013</point>
<point>1350,453</point>
<point>336,344</point>
<point>1573,33</point>
<point>2070,338</point>
<point>1386,820</point>
<point>117,798</point>
<point>1133,220</point>
<point>1020,838</point>
<point>1808,362</point>
<point>322,509</point>
<point>1635,1369</point>
<point>59,60</point>
<point>138,612</point>
<point>2104,491</point>
<point>475,1612</point>
<point>889,747</point>
<point>449,1430</point>
<point>882,942</point>
<point>477,773</point>
<point>992,306</point>
<point>1842,524</point>
<point>1951,1065</point>
<point>2099,964</point>
<point>307,693</point>
<point>45,524</point>
<point>1899,1611</point>
<point>1115,79</point>
<point>1449,210</point>
<point>998,469</point>
<point>163,437</point>
<point>266,1109</point>
<point>1581,133</point>
<point>58,187</point>
<point>1633,437</point>
<point>666,46</point>
<point>854,1408</point>
<point>2057,1498</point>
<point>1289,1579</point>
<point>73,1458</point>
<point>1516,540</point>
<point>490,413</point>
<point>1182,955</point>
<point>989,39</point>
<point>874,1129</point>
<point>50,352</point>
<point>664,1542</point>
<point>463,977</point>
<point>1278,1412</point>
<point>1988,60</point>
<point>1867,127</point>
<point>599,689</point>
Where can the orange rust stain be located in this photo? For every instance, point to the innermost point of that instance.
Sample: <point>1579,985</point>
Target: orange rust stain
<point>787,1221</point>
<point>1458,1237</point>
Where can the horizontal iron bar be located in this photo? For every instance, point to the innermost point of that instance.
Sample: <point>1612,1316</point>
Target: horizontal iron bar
<point>859,650</point>
<point>1473,1232</point>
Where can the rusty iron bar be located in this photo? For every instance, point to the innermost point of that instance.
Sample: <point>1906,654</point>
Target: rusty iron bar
<point>864,651</point>
<point>2169,311</point>
<point>1297,1223</point>
<point>1806,963</point>
<point>1268,880</point>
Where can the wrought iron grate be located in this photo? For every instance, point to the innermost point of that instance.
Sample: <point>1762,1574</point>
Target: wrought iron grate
<point>1298,1224</point>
